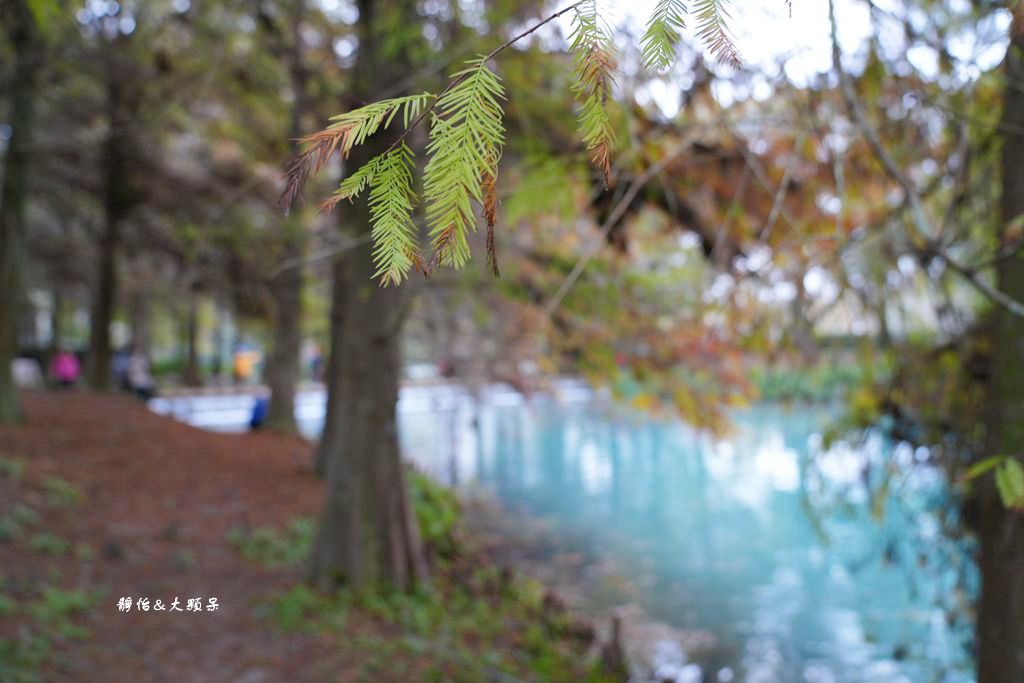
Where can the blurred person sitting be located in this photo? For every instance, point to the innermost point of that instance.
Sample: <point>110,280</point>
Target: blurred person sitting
<point>65,369</point>
<point>120,363</point>
<point>259,413</point>
<point>242,366</point>
<point>139,378</point>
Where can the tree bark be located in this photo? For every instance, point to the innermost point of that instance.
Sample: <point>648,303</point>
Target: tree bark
<point>331,437</point>
<point>367,535</point>
<point>139,320</point>
<point>1001,531</point>
<point>25,42</point>
<point>191,374</point>
<point>283,364</point>
<point>286,286</point>
<point>115,207</point>
<point>56,320</point>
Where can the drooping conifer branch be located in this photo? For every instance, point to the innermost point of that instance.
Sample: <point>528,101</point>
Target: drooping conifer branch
<point>713,28</point>
<point>465,144</point>
<point>348,130</point>
<point>490,215</point>
<point>593,73</point>
<point>662,35</point>
<point>467,135</point>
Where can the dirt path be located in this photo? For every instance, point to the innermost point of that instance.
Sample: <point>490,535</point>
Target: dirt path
<point>159,500</point>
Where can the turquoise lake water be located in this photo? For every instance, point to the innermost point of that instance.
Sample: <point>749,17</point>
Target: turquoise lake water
<point>762,538</point>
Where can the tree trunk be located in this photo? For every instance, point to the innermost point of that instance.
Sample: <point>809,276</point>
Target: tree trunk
<point>286,286</point>
<point>1001,531</point>
<point>330,438</point>
<point>367,534</point>
<point>56,320</point>
<point>26,46</point>
<point>139,320</point>
<point>115,206</point>
<point>283,364</point>
<point>191,375</point>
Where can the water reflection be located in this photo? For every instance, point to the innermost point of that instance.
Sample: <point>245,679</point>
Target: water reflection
<point>762,538</point>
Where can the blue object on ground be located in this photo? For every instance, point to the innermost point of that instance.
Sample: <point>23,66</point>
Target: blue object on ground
<point>259,413</point>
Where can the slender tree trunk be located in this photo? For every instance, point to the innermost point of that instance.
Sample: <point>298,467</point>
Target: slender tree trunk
<point>139,319</point>
<point>192,377</point>
<point>115,206</point>
<point>367,533</point>
<point>56,319</point>
<point>331,437</point>
<point>102,310</point>
<point>286,286</point>
<point>283,364</point>
<point>1001,532</point>
<point>26,46</point>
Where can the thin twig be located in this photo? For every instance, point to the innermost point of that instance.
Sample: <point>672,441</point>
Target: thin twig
<point>922,235</point>
<point>613,218</point>
<point>320,254</point>
<point>426,112</point>
<point>780,194</point>
<point>1000,297</point>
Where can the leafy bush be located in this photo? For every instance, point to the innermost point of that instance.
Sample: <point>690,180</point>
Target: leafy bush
<point>437,513</point>
<point>816,384</point>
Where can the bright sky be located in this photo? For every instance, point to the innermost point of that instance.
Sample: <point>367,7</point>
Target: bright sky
<point>768,36</point>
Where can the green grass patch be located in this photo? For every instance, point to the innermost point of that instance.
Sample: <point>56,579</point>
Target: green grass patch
<point>48,621</point>
<point>12,468</point>
<point>48,543</point>
<point>276,547</point>
<point>61,493</point>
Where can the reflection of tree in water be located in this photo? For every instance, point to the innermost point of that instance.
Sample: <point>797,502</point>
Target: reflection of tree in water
<point>742,538</point>
<point>922,537</point>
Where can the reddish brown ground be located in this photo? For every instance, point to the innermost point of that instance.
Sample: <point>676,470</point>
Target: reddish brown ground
<point>160,498</point>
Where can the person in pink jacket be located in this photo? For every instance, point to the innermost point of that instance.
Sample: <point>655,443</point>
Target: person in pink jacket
<point>65,368</point>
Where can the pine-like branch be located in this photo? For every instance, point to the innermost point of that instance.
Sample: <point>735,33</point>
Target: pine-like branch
<point>354,184</point>
<point>662,35</point>
<point>348,130</point>
<point>594,72</point>
<point>491,216</point>
<point>466,137</point>
<point>713,28</point>
<point>395,249</point>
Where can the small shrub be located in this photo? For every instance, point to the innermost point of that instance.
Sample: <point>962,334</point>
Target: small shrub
<point>303,608</point>
<point>61,493</point>
<point>24,515</point>
<point>8,605</point>
<point>10,529</point>
<point>56,607</point>
<point>437,513</point>
<point>48,543</point>
<point>276,547</point>
<point>12,468</point>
